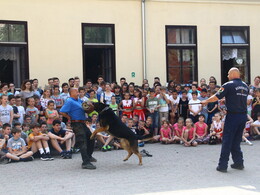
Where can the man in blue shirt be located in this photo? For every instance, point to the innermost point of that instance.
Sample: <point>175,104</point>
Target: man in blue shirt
<point>73,111</point>
<point>235,92</point>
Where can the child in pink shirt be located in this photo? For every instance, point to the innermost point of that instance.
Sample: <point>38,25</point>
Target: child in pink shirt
<point>188,134</point>
<point>166,137</point>
<point>201,129</point>
<point>178,129</point>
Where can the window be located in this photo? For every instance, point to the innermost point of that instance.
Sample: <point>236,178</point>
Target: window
<point>12,32</point>
<point>13,52</point>
<point>98,51</point>
<point>181,48</point>
<point>235,51</point>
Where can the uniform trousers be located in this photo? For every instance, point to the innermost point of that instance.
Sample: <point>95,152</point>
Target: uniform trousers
<point>232,137</point>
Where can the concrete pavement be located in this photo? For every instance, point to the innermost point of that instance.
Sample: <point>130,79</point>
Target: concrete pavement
<point>173,169</point>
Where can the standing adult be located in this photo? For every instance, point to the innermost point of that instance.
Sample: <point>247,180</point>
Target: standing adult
<point>73,111</point>
<point>26,91</point>
<point>37,91</point>
<point>235,92</point>
<point>256,83</point>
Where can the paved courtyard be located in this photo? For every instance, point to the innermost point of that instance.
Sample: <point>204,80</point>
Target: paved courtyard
<point>173,169</point>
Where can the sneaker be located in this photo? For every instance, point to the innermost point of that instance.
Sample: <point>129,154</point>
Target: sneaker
<point>108,148</point>
<point>221,170</point>
<point>88,165</point>
<point>63,154</point>
<point>75,150</point>
<point>27,159</point>
<point>44,157</point>
<point>49,157</point>
<point>256,137</point>
<point>92,159</point>
<point>104,149</point>
<point>236,166</point>
<point>141,144</point>
<point>68,155</point>
<point>4,160</point>
<point>249,143</point>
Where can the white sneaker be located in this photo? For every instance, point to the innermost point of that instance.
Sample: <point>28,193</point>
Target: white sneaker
<point>249,143</point>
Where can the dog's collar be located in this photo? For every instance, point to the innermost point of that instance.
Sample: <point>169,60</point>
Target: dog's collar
<point>105,109</point>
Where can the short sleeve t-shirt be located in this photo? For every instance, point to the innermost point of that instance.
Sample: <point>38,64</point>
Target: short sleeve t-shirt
<point>177,130</point>
<point>21,111</point>
<point>196,106</point>
<point>200,129</point>
<point>74,109</point>
<point>16,145</point>
<point>107,97</point>
<point>5,113</point>
<point>60,133</point>
<point>32,112</point>
<point>163,104</point>
<point>152,103</point>
<point>174,102</point>
<point>57,100</point>
<point>31,136</point>
<point>257,123</point>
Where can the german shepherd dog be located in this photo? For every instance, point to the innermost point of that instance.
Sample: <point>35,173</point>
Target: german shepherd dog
<point>112,124</point>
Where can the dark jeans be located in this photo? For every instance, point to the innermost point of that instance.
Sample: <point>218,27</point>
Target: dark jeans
<point>194,118</point>
<point>232,136</point>
<point>83,141</point>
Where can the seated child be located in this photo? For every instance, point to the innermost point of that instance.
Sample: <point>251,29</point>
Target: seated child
<point>247,128</point>
<point>142,130</point>
<point>178,128</point>
<point>188,134</point>
<point>38,141</point>
<point>217,127</point>
<point>201,129</point>
<point>101,137</point>
<point>60,136</point>
<point>26,129</point>
<point>17,150</point>
<point>43,128</point>
<point>23,134</point>
<point>256,127</point>
<point>4,137</point>
<point>131,125</point>
<point>166,134</point>
<point>135,120</point>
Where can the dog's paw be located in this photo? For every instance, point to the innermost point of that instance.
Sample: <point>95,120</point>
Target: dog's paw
<point>140,164</point>
<point>125,159</point>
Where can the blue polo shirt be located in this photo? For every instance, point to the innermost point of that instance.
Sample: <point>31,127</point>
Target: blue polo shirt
<point>74,109</point>
<point>235,92</point>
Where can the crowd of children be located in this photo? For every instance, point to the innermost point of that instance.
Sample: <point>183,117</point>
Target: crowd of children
<point>32,126</point>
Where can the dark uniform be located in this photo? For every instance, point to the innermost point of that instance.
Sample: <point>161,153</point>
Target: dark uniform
<point>235,93</point>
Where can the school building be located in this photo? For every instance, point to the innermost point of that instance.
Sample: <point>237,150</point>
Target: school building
<point>179,40</point>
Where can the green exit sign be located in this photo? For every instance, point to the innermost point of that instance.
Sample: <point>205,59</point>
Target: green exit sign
<point>133,74</point>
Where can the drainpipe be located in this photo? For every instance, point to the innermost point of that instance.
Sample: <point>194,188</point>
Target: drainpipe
<point>144,39</point>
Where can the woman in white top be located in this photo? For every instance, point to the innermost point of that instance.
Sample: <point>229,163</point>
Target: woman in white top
<point>107,95</point>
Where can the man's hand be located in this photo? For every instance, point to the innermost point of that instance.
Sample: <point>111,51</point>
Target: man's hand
<point>204,102</point>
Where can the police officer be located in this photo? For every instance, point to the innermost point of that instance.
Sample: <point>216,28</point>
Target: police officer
<point>235,92</point>
<point>73,111</point>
